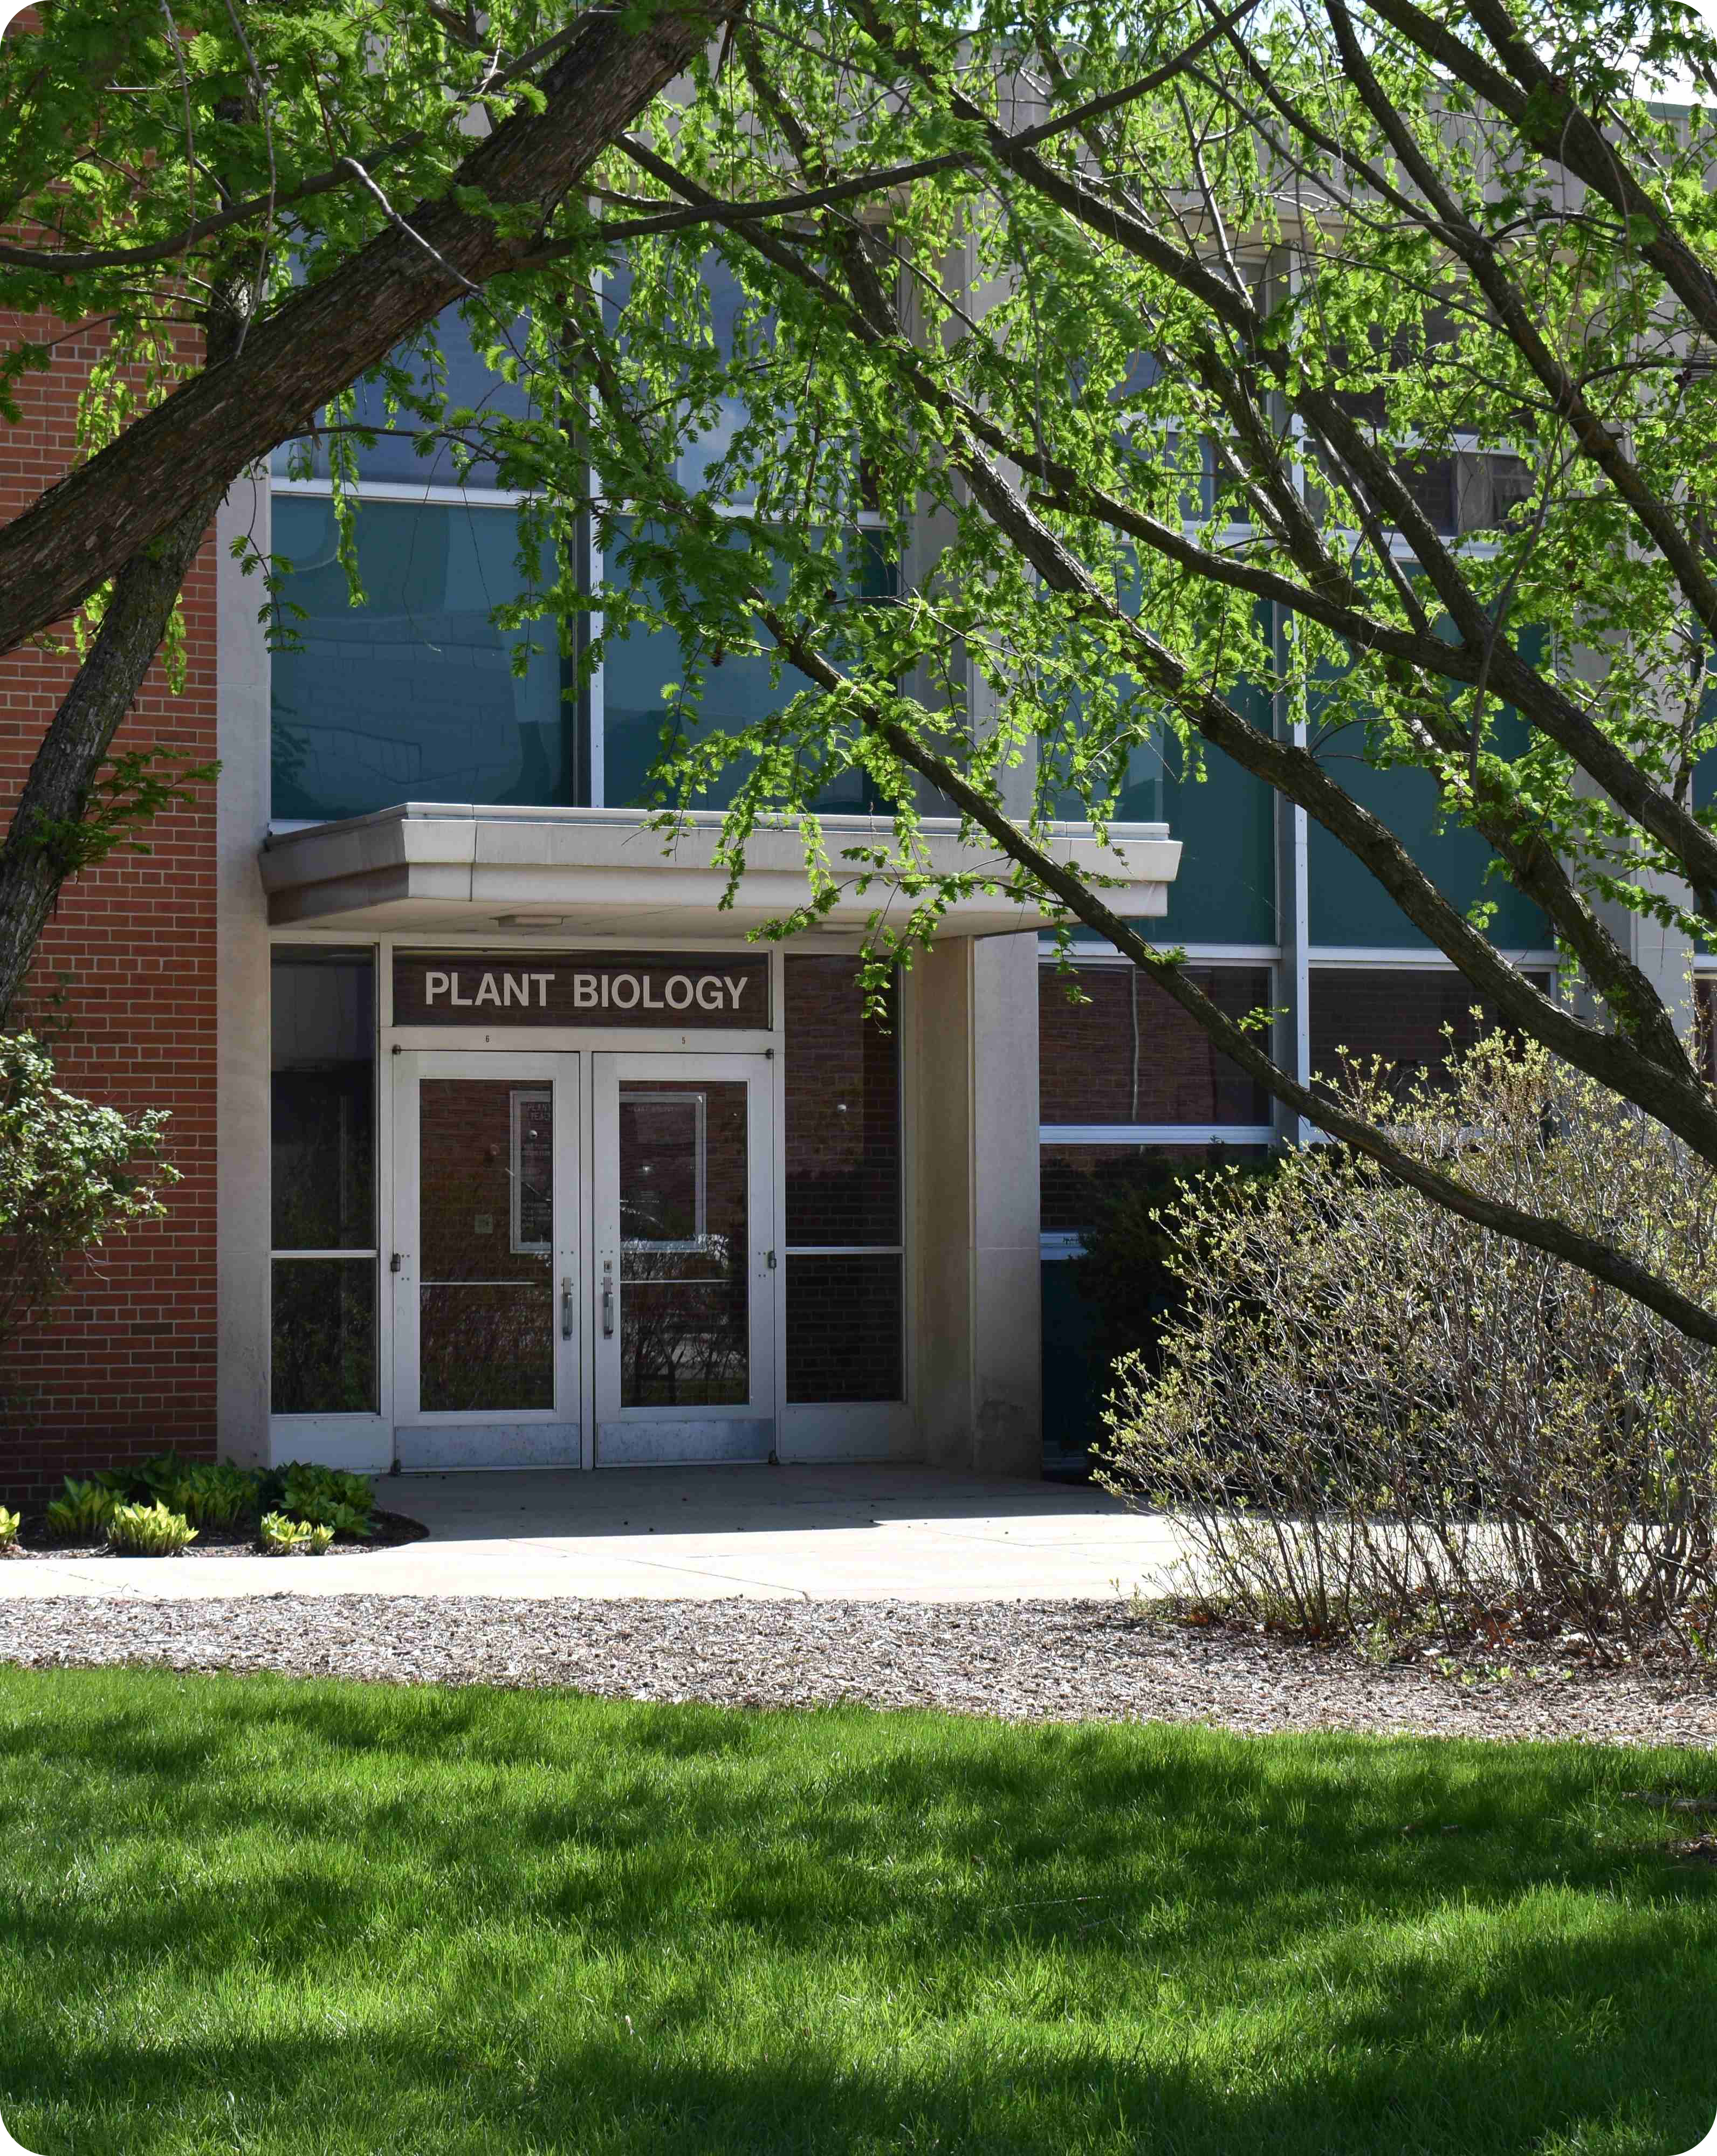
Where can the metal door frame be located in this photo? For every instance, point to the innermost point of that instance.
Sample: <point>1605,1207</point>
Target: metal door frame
<point>557,1436</point>
<point>670,1436</point>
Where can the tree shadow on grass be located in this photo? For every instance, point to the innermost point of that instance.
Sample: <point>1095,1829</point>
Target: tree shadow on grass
<point>1172,1939</point>
<point>423,2091</point>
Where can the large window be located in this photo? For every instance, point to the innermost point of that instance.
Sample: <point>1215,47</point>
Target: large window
<point>415,695</point>
<point>639,722</point>
<point>323,1182</point>
<point>1410,1020</point>
<point>1125,1078</point>
<point>845,1253</point>
<point>1112,1048</point>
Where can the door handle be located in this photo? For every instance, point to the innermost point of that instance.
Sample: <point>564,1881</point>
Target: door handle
<point>566,1306</point>
<point>607,1302</point>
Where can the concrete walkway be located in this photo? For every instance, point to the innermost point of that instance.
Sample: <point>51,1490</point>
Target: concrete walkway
<point>825,1533</point>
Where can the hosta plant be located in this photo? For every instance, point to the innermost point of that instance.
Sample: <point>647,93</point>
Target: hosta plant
<point>8,1529</point>
<point>148,1531</point>
<point>327,1497</point>
<point>282,1537</point>
<point>211,1493</point>
<point>83,1508</point>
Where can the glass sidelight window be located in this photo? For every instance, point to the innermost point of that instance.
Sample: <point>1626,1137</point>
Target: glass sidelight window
<point>485,1285</point>
<point>323,1182</point>
<point>685,1244</point>
<point>846,1309</point>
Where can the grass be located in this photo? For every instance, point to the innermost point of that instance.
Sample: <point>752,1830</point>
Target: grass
<point>250,1915</point>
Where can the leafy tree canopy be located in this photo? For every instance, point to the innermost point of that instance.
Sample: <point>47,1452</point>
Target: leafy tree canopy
<point>1239,376</point>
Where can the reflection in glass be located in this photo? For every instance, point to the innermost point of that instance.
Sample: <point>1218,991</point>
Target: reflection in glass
<point>843,1109</point>
<point>639,723</point>
<point>413,694</point>
<point>486,1289</point>
<point>532,1172</point>
<point>845,1320</point>
<point>323,1099</point>
<point>323,1337</point>
<point>461,377</point>
<point>685,1333</point>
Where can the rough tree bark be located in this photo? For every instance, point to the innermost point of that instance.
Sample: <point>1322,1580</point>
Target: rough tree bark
<point>57,791</point>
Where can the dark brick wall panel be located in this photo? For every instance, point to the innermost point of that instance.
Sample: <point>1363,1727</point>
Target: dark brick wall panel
<point>125,979</point>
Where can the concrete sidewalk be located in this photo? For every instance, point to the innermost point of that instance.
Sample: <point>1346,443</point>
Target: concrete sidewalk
<point>825,1533</point>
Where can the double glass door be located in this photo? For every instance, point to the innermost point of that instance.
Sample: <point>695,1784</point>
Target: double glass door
<point>582,1265</point>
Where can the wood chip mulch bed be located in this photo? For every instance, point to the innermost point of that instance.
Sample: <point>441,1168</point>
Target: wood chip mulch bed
<point>1026,1661</point>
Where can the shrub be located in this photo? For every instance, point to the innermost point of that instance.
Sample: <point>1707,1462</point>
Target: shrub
<point>281,1536</point>
<point>71,1174</point>
<point>85,1508</point>
<point>1127,1273</point>
<point>148,1531</point>
<point>9,1524</point>
<point>1370,1412</point>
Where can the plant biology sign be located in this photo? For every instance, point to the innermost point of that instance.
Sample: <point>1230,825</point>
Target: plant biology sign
<point>676,989</point>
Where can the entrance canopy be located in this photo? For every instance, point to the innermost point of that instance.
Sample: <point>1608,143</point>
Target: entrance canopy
<point>435,866</point>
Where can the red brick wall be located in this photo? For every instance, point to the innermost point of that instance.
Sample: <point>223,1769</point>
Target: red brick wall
<point>125,979</point>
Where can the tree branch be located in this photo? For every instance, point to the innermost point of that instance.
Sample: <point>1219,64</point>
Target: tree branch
<point>327,333</point>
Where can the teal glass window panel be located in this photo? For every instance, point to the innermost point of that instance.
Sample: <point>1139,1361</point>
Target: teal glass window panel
<point>1350,908</point>
<point>1225,889</point>
<point>412,696</point>
<point>638,667</point>
<point>466,382</point>
<point>323,1086</point>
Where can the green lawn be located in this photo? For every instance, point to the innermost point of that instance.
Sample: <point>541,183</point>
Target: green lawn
<point>242,1914</point>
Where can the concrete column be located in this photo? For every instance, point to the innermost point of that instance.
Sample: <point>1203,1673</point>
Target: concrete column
<point>242,985</point>
<point>974,1121</point>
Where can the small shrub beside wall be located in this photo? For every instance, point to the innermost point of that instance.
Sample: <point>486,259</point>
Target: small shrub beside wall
<point>72,1173</point>
<point>1371,1413</point>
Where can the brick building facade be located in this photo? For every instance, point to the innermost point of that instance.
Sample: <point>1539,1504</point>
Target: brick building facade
<point>124,985</point>
<point>347,1270</point>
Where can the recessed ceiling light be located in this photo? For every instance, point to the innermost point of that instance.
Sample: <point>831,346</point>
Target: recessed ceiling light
<point>529,920</point>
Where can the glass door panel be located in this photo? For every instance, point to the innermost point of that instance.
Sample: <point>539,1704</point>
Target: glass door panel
<point>486,1266</point>
<point>485,1288</point>
<point>683,1302</point>
<point>684,1341</point>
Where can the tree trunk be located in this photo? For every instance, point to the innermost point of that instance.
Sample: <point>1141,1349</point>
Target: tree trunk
<point>57,791</point>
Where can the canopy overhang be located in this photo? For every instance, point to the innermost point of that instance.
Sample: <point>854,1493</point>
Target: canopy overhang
<point>447,868</point>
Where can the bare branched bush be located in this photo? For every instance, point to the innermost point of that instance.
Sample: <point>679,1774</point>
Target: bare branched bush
<point>1370,1412</point>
